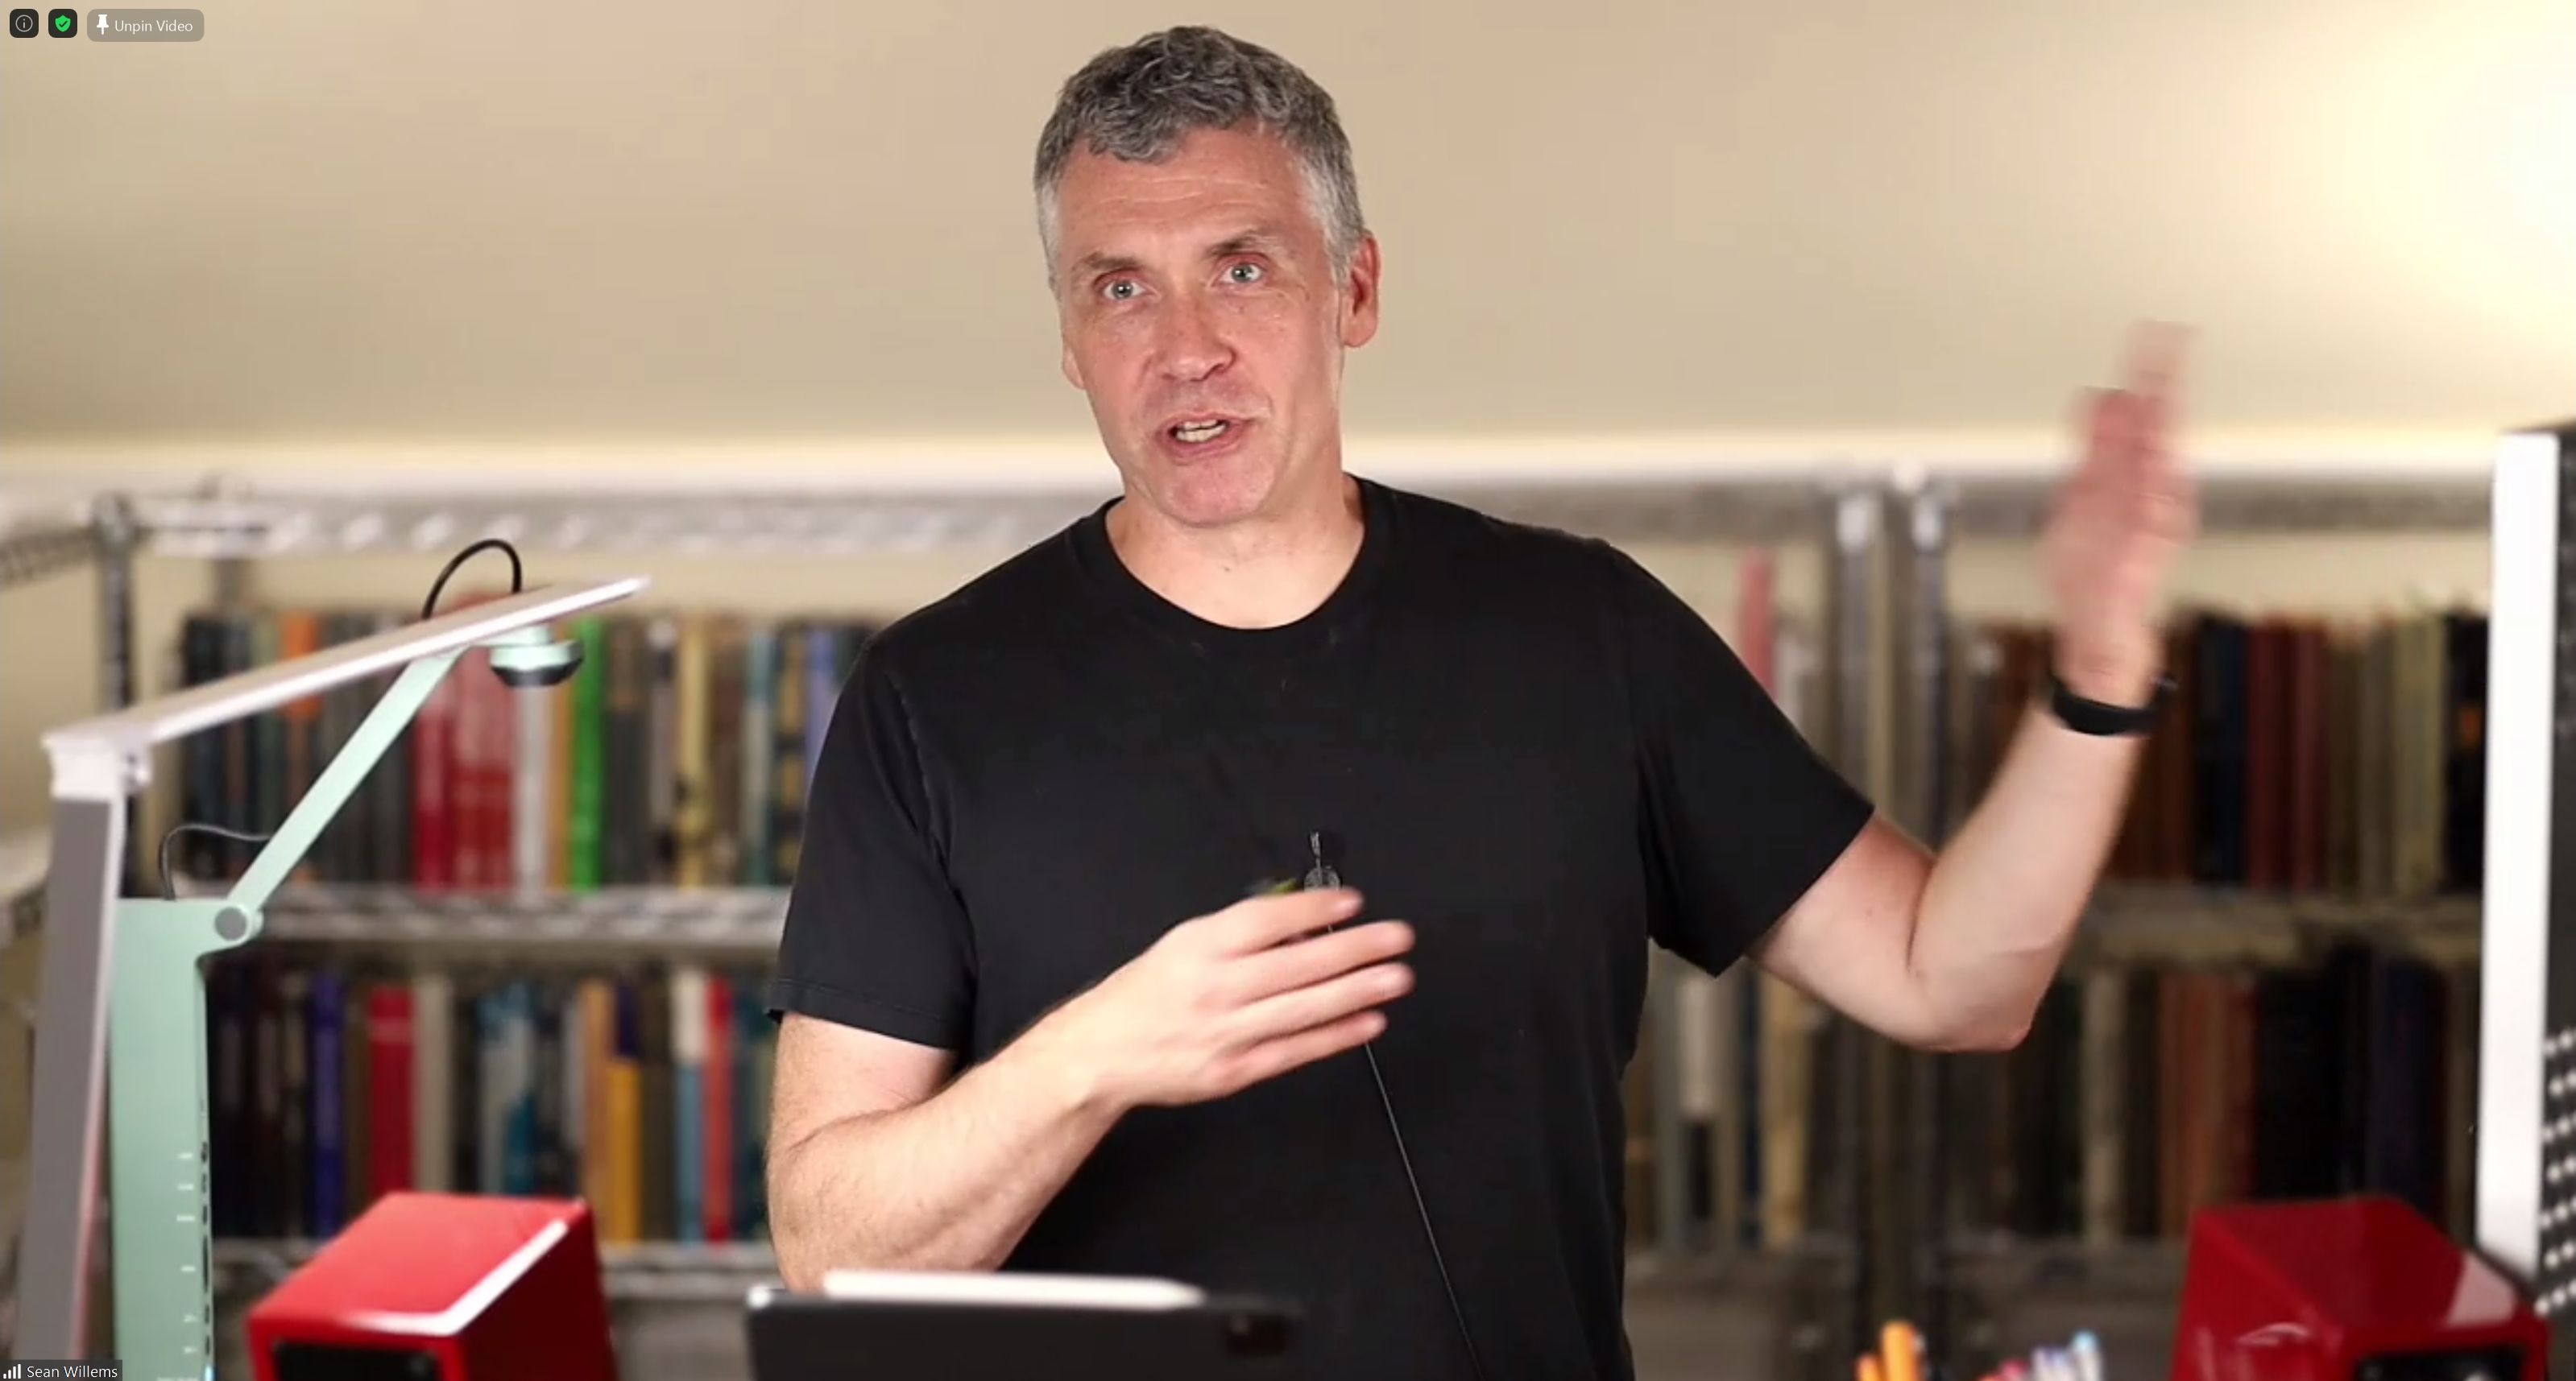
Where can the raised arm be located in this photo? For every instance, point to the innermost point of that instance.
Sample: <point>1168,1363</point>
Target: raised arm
<point>1957,951</point>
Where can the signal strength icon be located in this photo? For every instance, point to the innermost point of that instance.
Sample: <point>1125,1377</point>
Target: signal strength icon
<point>16,1372</point>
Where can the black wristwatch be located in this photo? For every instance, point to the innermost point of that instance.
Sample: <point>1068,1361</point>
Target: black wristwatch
<point>2107,721</point>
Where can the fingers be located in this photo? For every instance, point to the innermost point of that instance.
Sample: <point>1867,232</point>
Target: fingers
<point>2103,420</point>
<point>2127,431</point>
<point>2155,358</point>
<point>1302,963</point>
<point>1319,1003</point>
<point>2155,374</point>
<point>1257,923</point>
<point>1270,1059</point>
<point>2165,489</point>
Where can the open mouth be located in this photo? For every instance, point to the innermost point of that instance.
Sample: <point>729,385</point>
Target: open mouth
<point>1199,431</point>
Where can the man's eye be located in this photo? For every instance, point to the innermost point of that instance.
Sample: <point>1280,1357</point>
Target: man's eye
<point>1119,289</point>
<point>1244,273</point>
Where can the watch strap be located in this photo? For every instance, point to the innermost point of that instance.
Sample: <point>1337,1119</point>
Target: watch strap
<point>2105,720</point>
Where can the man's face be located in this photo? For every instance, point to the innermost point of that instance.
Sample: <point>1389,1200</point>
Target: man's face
<point>1202,317</point>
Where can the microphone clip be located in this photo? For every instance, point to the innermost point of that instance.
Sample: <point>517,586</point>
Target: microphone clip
<point>1321,847</point>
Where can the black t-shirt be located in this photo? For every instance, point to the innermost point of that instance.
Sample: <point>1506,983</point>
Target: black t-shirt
<point>1517,740</point>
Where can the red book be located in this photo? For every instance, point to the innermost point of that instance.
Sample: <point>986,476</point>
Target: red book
<point>433,788</point>
<point>465,769</point>
<point>716,1083</point>
<point>389,1088</point>
<point>482,743</point>
<point>488,754</point>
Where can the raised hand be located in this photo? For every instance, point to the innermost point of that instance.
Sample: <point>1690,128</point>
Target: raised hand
<point>1229,999</point>
<point>2118,523</point>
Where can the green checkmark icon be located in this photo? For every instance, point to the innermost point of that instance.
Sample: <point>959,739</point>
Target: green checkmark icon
<point>62,23</point>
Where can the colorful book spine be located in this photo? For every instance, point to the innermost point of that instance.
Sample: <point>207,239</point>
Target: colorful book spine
<point>599,1184</point>
<point>622,1215</point>
<point>327,1181</point>
<point>584,822</point>
<point>433,769</point>
<point>759,757</point>
<point>688,1101</point>
<point>390,1087</point>
<point>692,784</point>
<point>433,1081</point>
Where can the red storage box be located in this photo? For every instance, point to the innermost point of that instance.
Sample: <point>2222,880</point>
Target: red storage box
<point>443,1287</point>
<point>2337,1289</point>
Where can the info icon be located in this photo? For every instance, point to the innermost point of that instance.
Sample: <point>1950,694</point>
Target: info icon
<point>22,23</point>
<point>63,23</point>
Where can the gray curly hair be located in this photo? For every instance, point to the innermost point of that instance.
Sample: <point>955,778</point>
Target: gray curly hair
<point>1135,103</point>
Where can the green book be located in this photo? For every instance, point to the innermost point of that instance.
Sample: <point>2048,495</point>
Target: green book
<point>589,748</point>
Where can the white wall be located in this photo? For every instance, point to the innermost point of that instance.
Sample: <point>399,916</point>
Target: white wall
<point>652,221</point>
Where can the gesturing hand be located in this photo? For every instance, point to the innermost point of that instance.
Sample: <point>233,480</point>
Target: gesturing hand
<point>1229,999</point>
<point>2118,522</point>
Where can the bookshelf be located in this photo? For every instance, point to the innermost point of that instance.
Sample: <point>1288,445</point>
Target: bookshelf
<point>2306,879</point>
<point>1882,589</point>
<point>373,930</point>
<point>733,922</point>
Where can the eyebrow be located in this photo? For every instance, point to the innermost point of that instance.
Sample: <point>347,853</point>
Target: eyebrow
<point>1259,237</point>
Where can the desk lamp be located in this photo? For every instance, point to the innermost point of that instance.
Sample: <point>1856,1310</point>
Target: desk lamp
<point>152,982</point>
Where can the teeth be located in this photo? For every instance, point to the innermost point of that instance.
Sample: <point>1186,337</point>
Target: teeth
<point>1199,431</point>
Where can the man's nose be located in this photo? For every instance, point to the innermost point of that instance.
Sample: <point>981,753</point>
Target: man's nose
<point>1193,346</point>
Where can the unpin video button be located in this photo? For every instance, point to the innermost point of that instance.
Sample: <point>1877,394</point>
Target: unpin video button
<point>147,26</point>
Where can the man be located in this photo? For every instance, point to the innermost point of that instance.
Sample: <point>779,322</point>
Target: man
<point>1030,1019</point>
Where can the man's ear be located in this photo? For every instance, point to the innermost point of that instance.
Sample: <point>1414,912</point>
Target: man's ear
<point>1360,294</point>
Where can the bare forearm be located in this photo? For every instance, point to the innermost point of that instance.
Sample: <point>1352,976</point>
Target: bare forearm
<point>2004,897</point>
<point>1985,924</point>
<point>952,1182</point>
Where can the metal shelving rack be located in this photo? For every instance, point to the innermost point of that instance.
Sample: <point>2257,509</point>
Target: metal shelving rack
<point>22,884</point>
<point>98,533</point>
<point>1841,515</point>
<point>1952,1283</point>
<point>37,544</point>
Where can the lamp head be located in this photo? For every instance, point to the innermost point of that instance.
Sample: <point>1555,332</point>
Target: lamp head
<point>527,659</point>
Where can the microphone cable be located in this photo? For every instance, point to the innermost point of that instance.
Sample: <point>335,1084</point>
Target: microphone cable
<point>1430,1234</point>
<point>1323,874</point>
<point>1320,872</point>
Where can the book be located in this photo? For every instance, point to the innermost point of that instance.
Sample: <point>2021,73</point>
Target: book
<point>362,1075</point>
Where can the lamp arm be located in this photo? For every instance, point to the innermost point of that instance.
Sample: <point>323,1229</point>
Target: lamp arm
<point>331,790</point>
